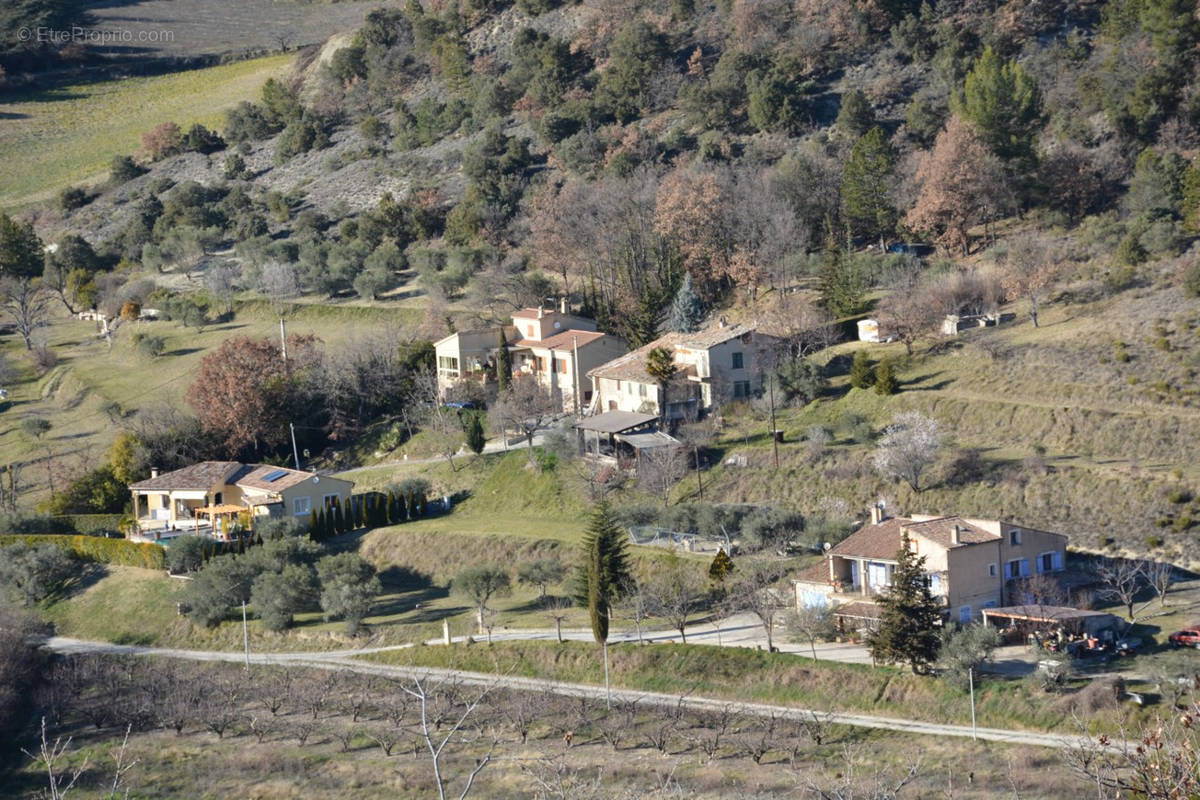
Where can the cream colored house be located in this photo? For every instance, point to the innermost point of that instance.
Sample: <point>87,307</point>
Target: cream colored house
<point>972,564</point>
<point>198,497</point>
<point>554,348</point>
<point>725,362</point>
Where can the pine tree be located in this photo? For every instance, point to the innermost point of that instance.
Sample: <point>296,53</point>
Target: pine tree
<point>861,376</point>
<point>503,363</point>
<point>1003,102</point>
<point>687,310</point>
<point>841,284</point>
<point>885,378</point>
<point>720,567</point>
<point>867,186</point>
<point>604,573</point>
<point>475,437</point>
<point>909,619</point>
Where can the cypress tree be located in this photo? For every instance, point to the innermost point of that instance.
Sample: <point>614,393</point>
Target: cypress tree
<point>885,379</point>
<point>362,511</point>
<point>393,509</point>
<point>339,518</point>
<point>328,515</point>
<point>475,437</point>
<point>503,363</point>
<point>687,310</point>
<point>861,376</point>
<point>605,570</point>
<point>909,619</point>
<point>312,524</point>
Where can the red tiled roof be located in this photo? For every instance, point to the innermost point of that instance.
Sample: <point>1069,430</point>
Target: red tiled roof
<point>632,365</point>
<point>562,341</point>
<point>872,541</point>
<point>814,573</point>
<point>882,541</point>
<point>530,313</point>
<point>195,477</point>
<point>254,476</point>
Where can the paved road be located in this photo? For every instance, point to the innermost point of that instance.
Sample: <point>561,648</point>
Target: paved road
<point>345,660</point>
<point>745,630</point>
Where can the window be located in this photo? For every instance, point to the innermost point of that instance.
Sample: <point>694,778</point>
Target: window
<point>562,366</point>
<point>991,570</point>
<point>1049,562</point>
<point>737,360</point>
<point>329,498</point>
<point>741,388</point>
<point>1017,568</point>
<point>964,614</point>
<point>529,329</point>
<point>641,390</point>
<point>448,362</point>
<point>934,581</point>
<point>1014,536</point>
<point>301,505</point>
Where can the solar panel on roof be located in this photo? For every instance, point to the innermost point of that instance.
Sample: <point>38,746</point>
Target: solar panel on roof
<point>275,475</point>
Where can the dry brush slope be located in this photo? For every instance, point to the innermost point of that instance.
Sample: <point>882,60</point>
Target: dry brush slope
<point>1083,425</point>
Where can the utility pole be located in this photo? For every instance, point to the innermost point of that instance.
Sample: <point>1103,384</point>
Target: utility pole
<point>971,681</point>
<point>575,365</point>
<point>607,685</point>
<point>699,480</point>
<point>295,452</point>
<point>283,339</point>
<point>246,637</point>
<point>774,433</point>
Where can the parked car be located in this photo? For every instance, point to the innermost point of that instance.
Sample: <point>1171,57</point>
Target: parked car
<point>1188,637</point>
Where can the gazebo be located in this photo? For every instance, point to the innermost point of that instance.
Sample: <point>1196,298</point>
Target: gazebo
<point>225,513</point>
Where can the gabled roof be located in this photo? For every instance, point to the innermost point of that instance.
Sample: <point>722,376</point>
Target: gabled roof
<point>269,478</point>
<point>196,477</point>
<point>702,340</point>
<point>632,365</point>
<point>882,540</point>
<point>564,340</point>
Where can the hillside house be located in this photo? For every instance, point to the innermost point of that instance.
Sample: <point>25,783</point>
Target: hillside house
<point>972,564</point>
<point>204,497</point>
<point>554,348</point>
<point>725,362</point>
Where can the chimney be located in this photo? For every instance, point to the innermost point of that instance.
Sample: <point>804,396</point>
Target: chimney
<point>722,322</point>
<point>541,311</point>
<point>154,472</point>
<point>562,305</point>
<point>956,534</point>
<point>876,513</point>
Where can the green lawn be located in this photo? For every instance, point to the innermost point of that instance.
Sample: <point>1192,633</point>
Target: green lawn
<point>69,134</point>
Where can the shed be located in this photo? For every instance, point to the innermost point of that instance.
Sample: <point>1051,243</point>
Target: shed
<point>1029,618</point>
<point>872,330</point>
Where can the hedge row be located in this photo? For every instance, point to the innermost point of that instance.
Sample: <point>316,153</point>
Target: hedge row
<point>96,548</point>
<point>90,524</point>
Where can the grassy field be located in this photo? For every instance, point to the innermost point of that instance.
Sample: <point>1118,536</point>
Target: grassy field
<point>73,394</point>
<point>69,134</point>
<point>1060,421</point>
<point>754,675</point>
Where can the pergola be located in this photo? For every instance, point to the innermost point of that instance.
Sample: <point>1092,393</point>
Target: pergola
<point>226,511</point>
<point>611,423</point>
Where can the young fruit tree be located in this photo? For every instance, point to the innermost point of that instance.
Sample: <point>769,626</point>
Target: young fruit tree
<point>908,448</point>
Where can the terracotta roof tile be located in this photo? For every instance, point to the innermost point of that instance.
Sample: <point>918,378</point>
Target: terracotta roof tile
<point>562,341</point>
<point>632,365</point>
<point>882,541</point>
<point>196,477</point>
<point>254,476</point>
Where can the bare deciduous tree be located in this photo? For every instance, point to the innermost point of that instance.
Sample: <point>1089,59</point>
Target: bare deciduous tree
<point>660,468</point>
<point>1122,580</point>
<point>437,735</point>
<point>908,447</point>
<point>751,591</point>
<point>674,591</point>
<point>27,304</point>
<point>811,621</point>
<point>526,406</point>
